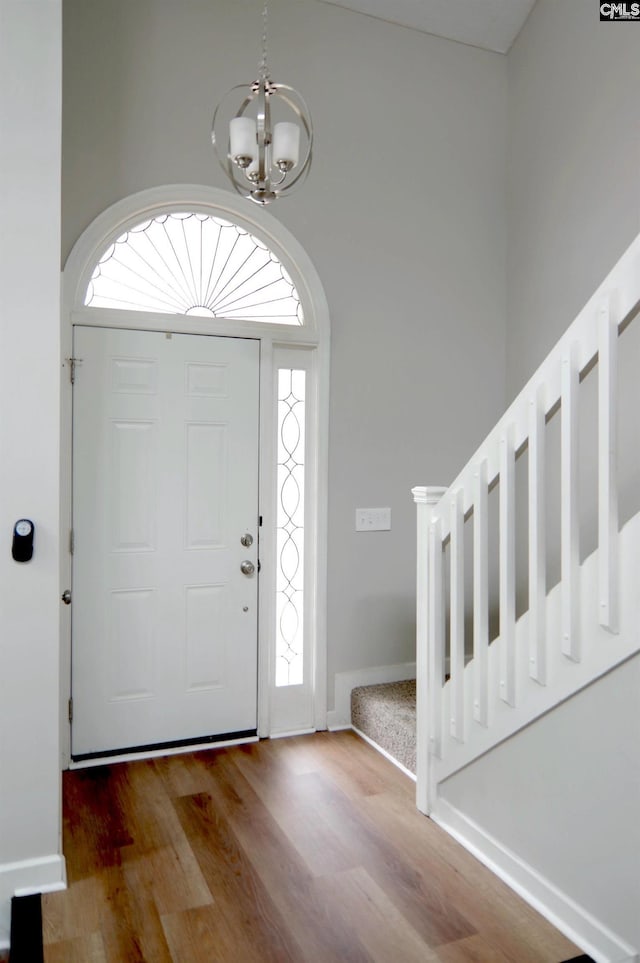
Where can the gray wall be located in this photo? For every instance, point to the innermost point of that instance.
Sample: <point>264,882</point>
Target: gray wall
<point>573,207</point>
<point>30,106</point>
<point>573,162</point>
<point>403,216</point>
<point>563,796</point>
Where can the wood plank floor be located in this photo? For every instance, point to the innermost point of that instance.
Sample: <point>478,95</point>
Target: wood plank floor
<point>301,849</point>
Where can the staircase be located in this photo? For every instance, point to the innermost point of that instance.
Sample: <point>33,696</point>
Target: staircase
<point>504,672</point>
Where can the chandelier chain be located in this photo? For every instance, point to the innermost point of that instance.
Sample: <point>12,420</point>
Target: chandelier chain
<point>264,70</point>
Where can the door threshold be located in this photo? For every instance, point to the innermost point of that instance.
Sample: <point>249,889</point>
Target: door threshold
<point>166,749</point>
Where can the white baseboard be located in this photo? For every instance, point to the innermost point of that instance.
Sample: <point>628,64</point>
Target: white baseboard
<point>573,920</point>
<point>340,717</point>
<point>286,733</point>
<point>44,875</point>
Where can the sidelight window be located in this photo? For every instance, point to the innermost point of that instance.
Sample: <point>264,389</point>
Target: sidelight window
<point>290,527</point>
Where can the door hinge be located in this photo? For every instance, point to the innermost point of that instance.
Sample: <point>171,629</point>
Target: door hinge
<point>70,710</point>
<point>73,362</point>
<point>71,541</point>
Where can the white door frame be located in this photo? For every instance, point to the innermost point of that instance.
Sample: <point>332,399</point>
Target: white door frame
<point>304,346</point>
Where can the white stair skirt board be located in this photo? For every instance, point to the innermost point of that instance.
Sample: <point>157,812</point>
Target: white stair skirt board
<point>44,875</point>
<point>571,919</point>
<point>382,751</point>
<point>340,717</point>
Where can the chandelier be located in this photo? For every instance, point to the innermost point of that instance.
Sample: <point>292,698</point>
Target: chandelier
<point>264,144</point>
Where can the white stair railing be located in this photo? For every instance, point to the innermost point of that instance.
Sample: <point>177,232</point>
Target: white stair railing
<point>512,672</point>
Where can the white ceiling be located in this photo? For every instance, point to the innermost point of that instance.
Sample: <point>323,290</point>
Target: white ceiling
<point>492,24</point>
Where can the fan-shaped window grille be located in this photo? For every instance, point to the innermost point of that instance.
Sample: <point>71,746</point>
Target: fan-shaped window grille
<point>196,264</point>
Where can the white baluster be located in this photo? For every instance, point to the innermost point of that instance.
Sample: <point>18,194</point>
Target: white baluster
<point>569,505</point>
<point>508,655</point>
<point>607,470</point>
<point>456,548</point>
<point>481,595</point>
<point>436,640</point>
<point>425,499</point>
<point>537,542</point>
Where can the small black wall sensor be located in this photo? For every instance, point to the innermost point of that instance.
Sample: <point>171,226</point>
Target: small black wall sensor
<point>22,547</point>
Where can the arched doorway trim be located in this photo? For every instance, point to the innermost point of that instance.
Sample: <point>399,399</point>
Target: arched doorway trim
<point>284,347</point>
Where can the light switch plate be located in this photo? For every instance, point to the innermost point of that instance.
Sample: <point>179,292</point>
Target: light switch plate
<point>373,519</point>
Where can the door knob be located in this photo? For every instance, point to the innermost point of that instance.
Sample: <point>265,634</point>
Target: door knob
<point>66,597</point>
<point>247,567</point>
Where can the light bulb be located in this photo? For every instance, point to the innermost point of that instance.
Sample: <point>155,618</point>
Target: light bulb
<point>286,145</point>
<point>242,140</point>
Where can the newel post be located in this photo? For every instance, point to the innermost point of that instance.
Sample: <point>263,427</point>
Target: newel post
<point>425,498</point>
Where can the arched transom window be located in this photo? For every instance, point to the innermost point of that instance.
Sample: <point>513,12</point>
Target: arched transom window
<point>194,264</point>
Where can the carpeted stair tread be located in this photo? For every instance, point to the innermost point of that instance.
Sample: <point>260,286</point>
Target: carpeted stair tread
<point>386,714</point>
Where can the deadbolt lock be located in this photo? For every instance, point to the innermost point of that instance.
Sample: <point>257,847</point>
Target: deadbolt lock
<point>247,540</point>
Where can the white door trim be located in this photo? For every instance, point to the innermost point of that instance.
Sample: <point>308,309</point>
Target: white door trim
<point>312,341</point>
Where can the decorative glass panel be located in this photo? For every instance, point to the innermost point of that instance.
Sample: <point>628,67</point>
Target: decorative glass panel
<point>290,528</point>
<point>195,264</point>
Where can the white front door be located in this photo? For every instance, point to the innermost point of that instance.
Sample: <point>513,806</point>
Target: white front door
<point>165,486</point>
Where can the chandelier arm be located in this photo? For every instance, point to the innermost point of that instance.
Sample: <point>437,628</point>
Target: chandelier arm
<point>297,181</point>
<point>275,184</point>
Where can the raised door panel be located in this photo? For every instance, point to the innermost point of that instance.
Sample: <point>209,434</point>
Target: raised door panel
<point>164,624</point>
